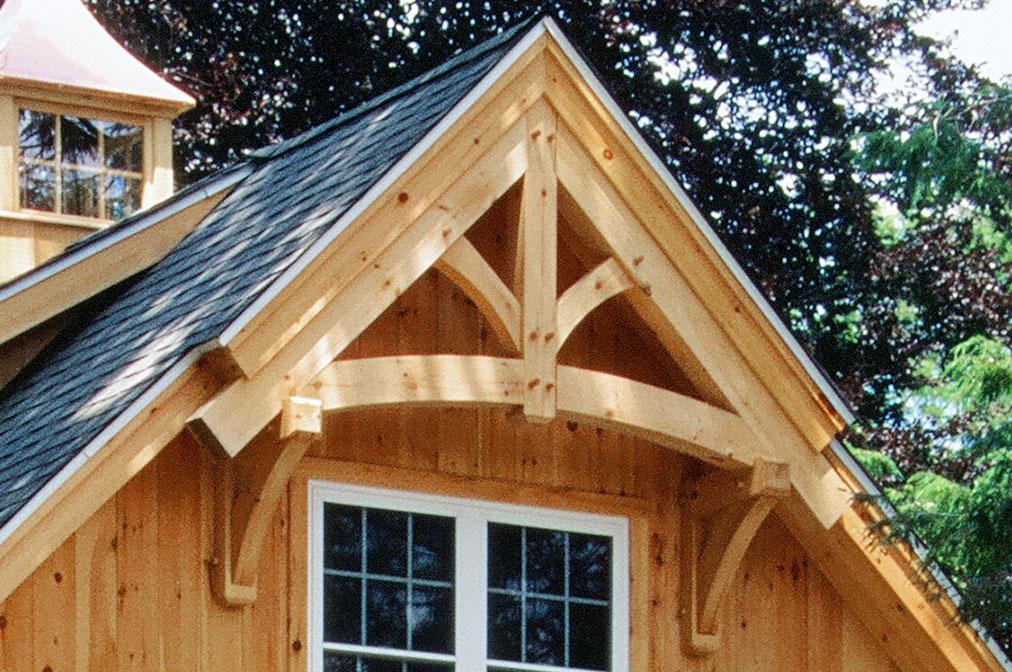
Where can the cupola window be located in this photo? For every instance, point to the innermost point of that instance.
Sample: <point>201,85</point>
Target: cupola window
<point>77,166</point>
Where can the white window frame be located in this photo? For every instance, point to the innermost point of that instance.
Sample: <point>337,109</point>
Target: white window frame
<point>471,574</point>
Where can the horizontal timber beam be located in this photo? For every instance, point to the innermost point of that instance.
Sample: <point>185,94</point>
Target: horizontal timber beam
<point>465,266</point>
<point>418,379</point>
<point>600,399</point>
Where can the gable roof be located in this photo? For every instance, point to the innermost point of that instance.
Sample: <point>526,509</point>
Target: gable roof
<point>291,202</point>
<point>59,407</point>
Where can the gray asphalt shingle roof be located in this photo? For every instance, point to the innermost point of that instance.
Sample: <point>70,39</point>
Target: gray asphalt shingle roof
<point>137,331</point>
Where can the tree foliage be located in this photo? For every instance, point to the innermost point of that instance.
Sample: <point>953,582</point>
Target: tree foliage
<point>965,405</point>
<point>878,229</point>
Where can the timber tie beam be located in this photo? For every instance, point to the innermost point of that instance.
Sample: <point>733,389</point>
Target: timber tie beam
<point>247,491</point>
<point>721,514</point>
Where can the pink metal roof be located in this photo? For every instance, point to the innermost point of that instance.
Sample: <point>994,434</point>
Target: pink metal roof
<point>60,43</point>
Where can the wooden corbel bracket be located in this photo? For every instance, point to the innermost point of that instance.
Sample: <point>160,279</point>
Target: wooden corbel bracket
<point>247,490</point>
<point>721,514</point>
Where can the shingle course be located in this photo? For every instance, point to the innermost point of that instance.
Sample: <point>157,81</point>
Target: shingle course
<point>297,190</point>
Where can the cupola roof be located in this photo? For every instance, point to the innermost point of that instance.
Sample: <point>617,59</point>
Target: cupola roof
<point>58,44</point>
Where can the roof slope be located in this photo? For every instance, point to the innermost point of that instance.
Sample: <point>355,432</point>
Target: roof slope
<point>296,192</point>
<point>59,42</point>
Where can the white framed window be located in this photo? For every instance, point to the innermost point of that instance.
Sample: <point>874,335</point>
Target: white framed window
<point>72,165</point>
<point>408,582</point>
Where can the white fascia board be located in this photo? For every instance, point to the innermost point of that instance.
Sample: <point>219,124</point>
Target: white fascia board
<point>152,217</point>
<point>384,183</point>
<point>662,171</point>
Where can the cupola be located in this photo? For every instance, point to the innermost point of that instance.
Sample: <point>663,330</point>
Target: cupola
<point>85,130</point>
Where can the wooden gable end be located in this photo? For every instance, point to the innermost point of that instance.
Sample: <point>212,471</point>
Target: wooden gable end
<point>518,135</point>
<point>526,313</point>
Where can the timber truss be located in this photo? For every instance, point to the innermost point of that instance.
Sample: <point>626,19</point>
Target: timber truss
<point>533,320</point>
<point>535,144</point>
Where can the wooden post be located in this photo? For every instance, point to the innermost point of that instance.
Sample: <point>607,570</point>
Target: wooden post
<point>159,177</point>
<point>537,253</point>
<point>8,154</point>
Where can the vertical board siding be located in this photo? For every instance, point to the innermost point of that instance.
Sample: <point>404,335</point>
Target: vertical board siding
<point>134,580</point>
<point>134,589</point>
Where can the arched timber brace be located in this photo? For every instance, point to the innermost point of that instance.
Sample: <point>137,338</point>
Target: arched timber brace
<point>465,266</point>
<point>600,399</point>
<point>597,286</point>
<point>721,514</point>
<point>247,490</point>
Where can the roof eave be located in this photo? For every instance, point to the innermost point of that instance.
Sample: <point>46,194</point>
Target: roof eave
<point>123,102</point>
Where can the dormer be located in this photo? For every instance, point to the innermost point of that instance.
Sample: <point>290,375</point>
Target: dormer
<point>85,130</point>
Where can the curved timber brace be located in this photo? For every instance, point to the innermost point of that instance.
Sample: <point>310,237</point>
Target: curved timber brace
<point>721,514</point>
<point>247,490</point>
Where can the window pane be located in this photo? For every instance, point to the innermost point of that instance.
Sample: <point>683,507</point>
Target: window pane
<point>386,614</point>
<point>80,193</point>
<point>342,537</point>
<point>80,152</point>
<point>122,146</point>
<point>38,187</point>
<point>589,636</point>
<point>546,632</point>
<point>122,196</point>
<point>342,662</point>
<point>504,567</point>
<point>429,667</point>
<point>546,558</point>
<point>36,135</point>
<point>79,141</point>
<point>342,609</point>
<point>504,627</point>
<point>549,597</point>
<point>432,619</point>
<point>433,548</point>
<point>387,541</point>
<point>590,566</point>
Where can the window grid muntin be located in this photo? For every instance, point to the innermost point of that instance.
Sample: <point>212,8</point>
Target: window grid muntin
<point>365,576</point>
<point>473,516</point>
<point>566,598</point>
<point>59,166</point>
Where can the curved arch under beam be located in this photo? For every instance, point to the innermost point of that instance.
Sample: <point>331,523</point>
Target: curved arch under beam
<point>466,268</point>
<point>600,399</point>
<point>600,284</point>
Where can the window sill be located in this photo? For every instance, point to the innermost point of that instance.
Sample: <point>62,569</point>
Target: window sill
<point>90,223</point>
